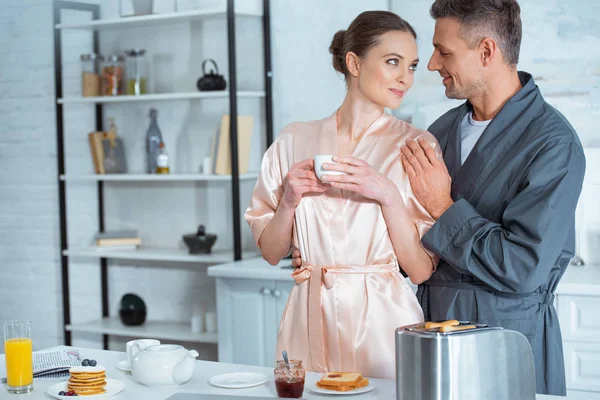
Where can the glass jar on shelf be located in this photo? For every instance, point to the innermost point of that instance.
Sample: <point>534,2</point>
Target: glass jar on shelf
<point>137,80</point>
<point>113,75</point>
<point>90,74</point>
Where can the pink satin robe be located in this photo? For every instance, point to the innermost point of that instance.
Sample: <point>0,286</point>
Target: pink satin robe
<point>349,296</point>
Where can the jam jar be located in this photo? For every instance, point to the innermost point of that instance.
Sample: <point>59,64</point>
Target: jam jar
<point>289,381</point>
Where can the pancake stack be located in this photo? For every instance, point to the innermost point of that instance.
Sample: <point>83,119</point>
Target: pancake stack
<point>86,381</point>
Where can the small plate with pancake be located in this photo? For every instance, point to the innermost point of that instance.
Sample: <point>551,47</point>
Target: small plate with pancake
<point>113,386</point>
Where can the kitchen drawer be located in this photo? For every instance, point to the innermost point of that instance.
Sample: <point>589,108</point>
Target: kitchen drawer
<point>581,365</point>
<point>579,317</point>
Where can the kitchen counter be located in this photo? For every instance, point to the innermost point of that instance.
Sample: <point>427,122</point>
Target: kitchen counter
<point>576,280</point>
<point>384,389</point>
<point>254,268</point>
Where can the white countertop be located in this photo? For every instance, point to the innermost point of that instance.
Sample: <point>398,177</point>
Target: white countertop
<point>253,268</point>
<point>576,280</point>
<point>384,389</point>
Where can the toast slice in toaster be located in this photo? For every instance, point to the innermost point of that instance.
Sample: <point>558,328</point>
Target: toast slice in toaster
<point>341,379</point>
<point>345,388</point>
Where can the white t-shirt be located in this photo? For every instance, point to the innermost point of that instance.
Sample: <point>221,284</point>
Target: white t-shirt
<point>471,131</point>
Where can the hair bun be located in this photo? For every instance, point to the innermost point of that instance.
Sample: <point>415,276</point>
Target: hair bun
<point>336,49</point>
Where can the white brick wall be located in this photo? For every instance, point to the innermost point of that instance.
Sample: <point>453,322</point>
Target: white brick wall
<point>305,87</point>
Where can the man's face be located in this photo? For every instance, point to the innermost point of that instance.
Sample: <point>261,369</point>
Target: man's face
<point>459,66</point>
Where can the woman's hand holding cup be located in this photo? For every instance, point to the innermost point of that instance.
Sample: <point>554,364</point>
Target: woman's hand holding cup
<point>301,180</point>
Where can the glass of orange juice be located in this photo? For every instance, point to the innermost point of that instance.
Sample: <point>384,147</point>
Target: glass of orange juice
<point>19,357</point>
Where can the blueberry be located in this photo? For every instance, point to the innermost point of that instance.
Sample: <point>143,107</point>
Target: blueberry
<point>85,363</point>
<point>62,393</point>
<point>93,363</point>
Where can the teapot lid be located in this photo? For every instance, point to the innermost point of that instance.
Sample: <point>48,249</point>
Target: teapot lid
<point>164,348</point>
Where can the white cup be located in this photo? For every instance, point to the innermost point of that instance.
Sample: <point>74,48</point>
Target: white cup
<point>134,346</point>
<point>197,324</point>
<point>320,160</point>
<point>211,322</point>
<point>207,166</point>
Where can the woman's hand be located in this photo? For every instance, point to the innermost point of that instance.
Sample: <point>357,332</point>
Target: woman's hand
<point>300,180</point>
<point>361,178</point>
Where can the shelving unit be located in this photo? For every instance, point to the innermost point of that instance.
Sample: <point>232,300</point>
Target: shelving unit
<point>155,178</point>
<point>155,19</point>
<point>156,254</point>
<point>158,96</point>
<point>171,330</point>
<point>111,325</point>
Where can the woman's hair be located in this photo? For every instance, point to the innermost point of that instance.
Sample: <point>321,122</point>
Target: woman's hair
<point>363,34</point>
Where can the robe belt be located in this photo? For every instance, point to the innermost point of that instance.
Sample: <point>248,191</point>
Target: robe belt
<point>318,277</point>
<point>542,298</point>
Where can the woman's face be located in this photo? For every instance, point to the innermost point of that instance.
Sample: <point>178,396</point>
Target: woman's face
<point>386,72</point>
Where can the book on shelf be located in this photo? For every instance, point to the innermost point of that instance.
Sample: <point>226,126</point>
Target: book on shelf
<point>126,233</point>
<point>116,247</point>
<point>118,239</point>
<point>222,145</point>
<point>119,242</point>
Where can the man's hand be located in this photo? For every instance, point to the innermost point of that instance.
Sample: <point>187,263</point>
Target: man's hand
<point>428,176</point>
<point>296,259</point>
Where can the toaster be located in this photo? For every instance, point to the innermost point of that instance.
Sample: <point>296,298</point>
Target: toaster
<point>463,361</point>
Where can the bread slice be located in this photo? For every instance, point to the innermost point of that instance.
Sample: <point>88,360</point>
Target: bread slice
<point>362,383</point>
<point>341,379</point>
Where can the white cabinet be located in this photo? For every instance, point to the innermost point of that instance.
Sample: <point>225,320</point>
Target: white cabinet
<point>578,316</point>
<point>248,312</point>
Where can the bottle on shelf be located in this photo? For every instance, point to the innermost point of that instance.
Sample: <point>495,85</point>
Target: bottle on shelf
<point>162,160</point>
<point>153,141</point>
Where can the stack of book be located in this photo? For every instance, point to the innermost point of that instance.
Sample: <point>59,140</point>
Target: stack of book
<point>114,240</point>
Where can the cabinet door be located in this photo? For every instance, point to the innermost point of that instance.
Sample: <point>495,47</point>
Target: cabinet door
<point>578,317</point>
<point>245,312</point>
<point>581,365</point>
<point>281,292</point>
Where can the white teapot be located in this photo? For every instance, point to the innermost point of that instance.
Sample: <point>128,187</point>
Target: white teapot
<point>164,365</point>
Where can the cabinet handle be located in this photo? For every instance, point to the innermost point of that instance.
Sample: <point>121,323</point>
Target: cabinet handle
<point>265,292</point>
<point>276,293</point>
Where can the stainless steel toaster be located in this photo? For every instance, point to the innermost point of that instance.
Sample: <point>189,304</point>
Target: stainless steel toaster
<point>477,363</point>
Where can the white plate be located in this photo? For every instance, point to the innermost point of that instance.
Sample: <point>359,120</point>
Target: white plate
<point>238,380</point>
<point>365,389</point>
<point>113,386</point>
<point>123,366</point>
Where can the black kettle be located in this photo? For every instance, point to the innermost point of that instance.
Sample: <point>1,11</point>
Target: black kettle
<point>212,80</point>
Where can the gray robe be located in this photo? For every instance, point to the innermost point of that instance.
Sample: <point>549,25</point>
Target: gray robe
<point>508,238</point>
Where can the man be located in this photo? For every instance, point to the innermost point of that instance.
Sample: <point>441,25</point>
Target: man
<point>504,202</point>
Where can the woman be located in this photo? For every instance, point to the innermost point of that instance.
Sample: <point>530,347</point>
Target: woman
<point>353,230</point>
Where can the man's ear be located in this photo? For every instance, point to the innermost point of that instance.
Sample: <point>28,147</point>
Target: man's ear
<point>353,63</point>
<point>488,50</point>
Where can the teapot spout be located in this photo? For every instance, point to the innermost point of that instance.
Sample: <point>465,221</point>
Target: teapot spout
<point>184,369</point>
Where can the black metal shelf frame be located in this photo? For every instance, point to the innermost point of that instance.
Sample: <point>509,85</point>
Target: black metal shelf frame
<point>59,6</point>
